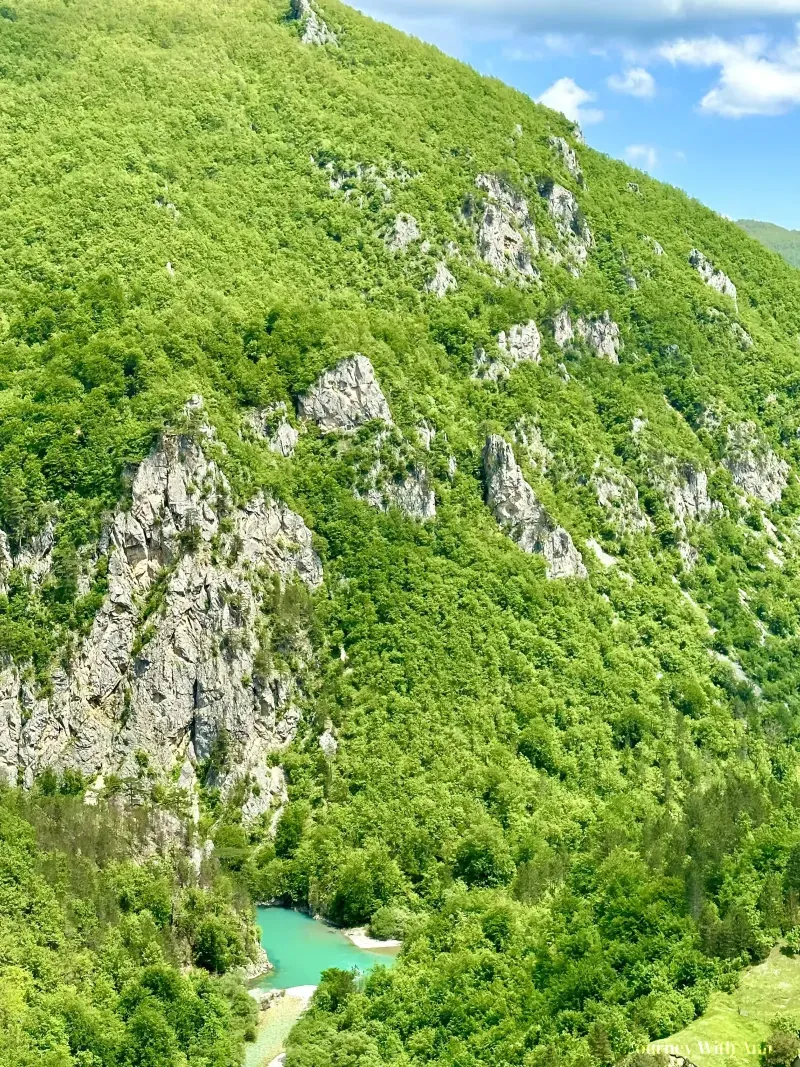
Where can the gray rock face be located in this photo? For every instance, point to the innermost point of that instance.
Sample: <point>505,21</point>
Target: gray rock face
<point>345,397</point>
<point>272,424</point>
<point>569,220</point>
<point>529,436</point>
<point>35,558</point>
<point>522,343</point>
<point>602,336</point>
<point>328,744</point>
<point>171,685</point>
<point>518,511</point>
<point>577,134</point>
<point>619,498</point>
<point>6,562</point>
<point>412,493</point>
<point>563,331</point>
<point>754,467</point>
<point>569,156</point>
<point>714,278</point>
<point>741,336</point>
<point>315,30</point>
<point>487,369</point>
<point>506,234</point>
<point>655,247</point>
<point>404,232</point>
<point>442,281</point>
<point>685,490</point>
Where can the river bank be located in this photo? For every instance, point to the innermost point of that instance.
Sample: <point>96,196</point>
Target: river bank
<point>300,948</point>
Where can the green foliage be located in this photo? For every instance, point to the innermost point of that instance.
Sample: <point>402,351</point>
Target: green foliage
<point>579,813</point>
<point>93,946</point>
<point>785,242</point>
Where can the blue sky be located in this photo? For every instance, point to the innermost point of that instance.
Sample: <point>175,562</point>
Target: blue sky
<point>704,94</point>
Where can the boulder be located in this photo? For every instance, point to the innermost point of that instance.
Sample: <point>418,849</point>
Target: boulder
<point>345,397</point>
<point>754,467</point>
<point>714,278</point>
<point>442,281</point>
<point>315,30</point>
<point>521,515</point>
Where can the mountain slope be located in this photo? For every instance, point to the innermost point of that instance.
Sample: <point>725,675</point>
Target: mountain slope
<point>785,242</point>
<point>487,634</point>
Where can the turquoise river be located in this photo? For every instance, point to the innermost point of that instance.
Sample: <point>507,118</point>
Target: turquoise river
<point>300,949</point>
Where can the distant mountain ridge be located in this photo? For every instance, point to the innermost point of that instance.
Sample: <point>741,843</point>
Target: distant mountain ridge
<point>785,242</point>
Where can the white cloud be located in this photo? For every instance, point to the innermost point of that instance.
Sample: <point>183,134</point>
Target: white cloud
<point>634,82</point>
<point>754,78</point>
<point>644,156</point>
<point>609,18</point>
<point>568,98</point>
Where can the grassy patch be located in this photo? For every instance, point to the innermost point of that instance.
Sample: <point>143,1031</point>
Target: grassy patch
<point>735,1024</point>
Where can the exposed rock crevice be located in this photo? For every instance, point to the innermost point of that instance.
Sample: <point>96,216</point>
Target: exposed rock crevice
<point>520,514</point>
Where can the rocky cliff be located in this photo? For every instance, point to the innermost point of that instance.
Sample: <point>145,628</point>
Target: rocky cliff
<point>179,660</point>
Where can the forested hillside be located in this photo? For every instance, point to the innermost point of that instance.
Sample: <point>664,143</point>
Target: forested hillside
<point>785,242</point>
<point>404,497</point>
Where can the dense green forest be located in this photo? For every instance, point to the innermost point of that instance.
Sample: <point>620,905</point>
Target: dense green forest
<point>112,952</point>
<point>576,800</point>
<point>785,242</point>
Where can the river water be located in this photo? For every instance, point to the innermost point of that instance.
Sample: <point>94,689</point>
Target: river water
<point>300,949</point>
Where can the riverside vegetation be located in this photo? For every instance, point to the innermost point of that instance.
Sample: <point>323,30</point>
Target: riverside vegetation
<point>436,478</point>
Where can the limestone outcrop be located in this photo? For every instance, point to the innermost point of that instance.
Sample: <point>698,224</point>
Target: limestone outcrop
<point>529,436</point>
<point>485,368</point>
<point>754,467</point>
<point>569,157</point>
<point>506,233</point>
<point>345,397</point>
<point>442,281</point>
<point>315,30</point>
<point>176,668</point>
<point>410,492</point>
<point>741,336</point>
<point>618,496</point>
<point>520,344</point>
<point>654,246</point>
<point>521,515</point>
<point>404,232</point>
<point>713,277</point>
<point>601,335</point>
<point>563,332</point>
<point>570,222</point>
<point>272,424</point>
<point>685,490</point>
